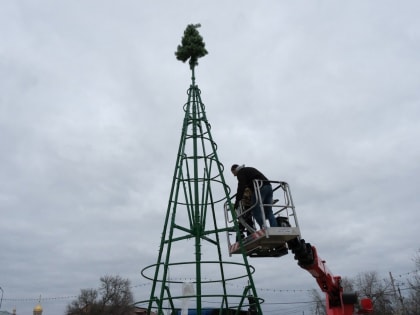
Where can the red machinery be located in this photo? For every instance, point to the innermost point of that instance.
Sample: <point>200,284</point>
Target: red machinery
<point>337,302</point>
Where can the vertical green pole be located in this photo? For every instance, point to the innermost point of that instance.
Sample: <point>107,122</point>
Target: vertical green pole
<point>196,205</point>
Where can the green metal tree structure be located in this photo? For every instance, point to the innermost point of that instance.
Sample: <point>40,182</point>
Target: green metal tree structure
<point>190,271</point>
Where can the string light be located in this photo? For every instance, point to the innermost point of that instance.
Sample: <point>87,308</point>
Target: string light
<point>68,297</point>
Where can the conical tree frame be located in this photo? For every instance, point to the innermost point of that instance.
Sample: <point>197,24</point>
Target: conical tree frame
<point>195,226</point>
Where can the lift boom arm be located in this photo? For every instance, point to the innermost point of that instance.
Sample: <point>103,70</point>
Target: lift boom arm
<point>338,303</point>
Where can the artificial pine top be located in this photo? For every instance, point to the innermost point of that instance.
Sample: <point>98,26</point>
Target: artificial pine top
<point>192,46</point>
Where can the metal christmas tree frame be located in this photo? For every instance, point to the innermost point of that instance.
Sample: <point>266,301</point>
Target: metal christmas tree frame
<point>204,282</point>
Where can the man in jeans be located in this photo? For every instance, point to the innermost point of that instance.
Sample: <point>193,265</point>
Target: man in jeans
<point>246,176</point>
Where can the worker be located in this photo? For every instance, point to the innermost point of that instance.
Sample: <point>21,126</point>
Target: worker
<point>246,176</point>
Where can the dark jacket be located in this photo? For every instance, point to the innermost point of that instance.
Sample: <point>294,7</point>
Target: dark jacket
<point>245,176</point>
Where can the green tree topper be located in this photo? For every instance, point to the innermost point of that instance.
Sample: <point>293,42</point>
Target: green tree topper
<point>192,46</point>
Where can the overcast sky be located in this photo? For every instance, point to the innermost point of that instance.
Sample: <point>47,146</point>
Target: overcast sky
<point>321,94</point>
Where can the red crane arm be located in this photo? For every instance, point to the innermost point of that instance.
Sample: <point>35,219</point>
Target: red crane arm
<point>338,303</point>
<point>327,282</point>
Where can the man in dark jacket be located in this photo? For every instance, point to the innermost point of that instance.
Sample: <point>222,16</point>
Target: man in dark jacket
<point>246,176</point>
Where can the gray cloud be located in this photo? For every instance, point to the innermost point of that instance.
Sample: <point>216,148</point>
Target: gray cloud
<point>324,96</point>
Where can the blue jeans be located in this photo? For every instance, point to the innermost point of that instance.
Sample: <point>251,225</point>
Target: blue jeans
<point>266,192</point>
